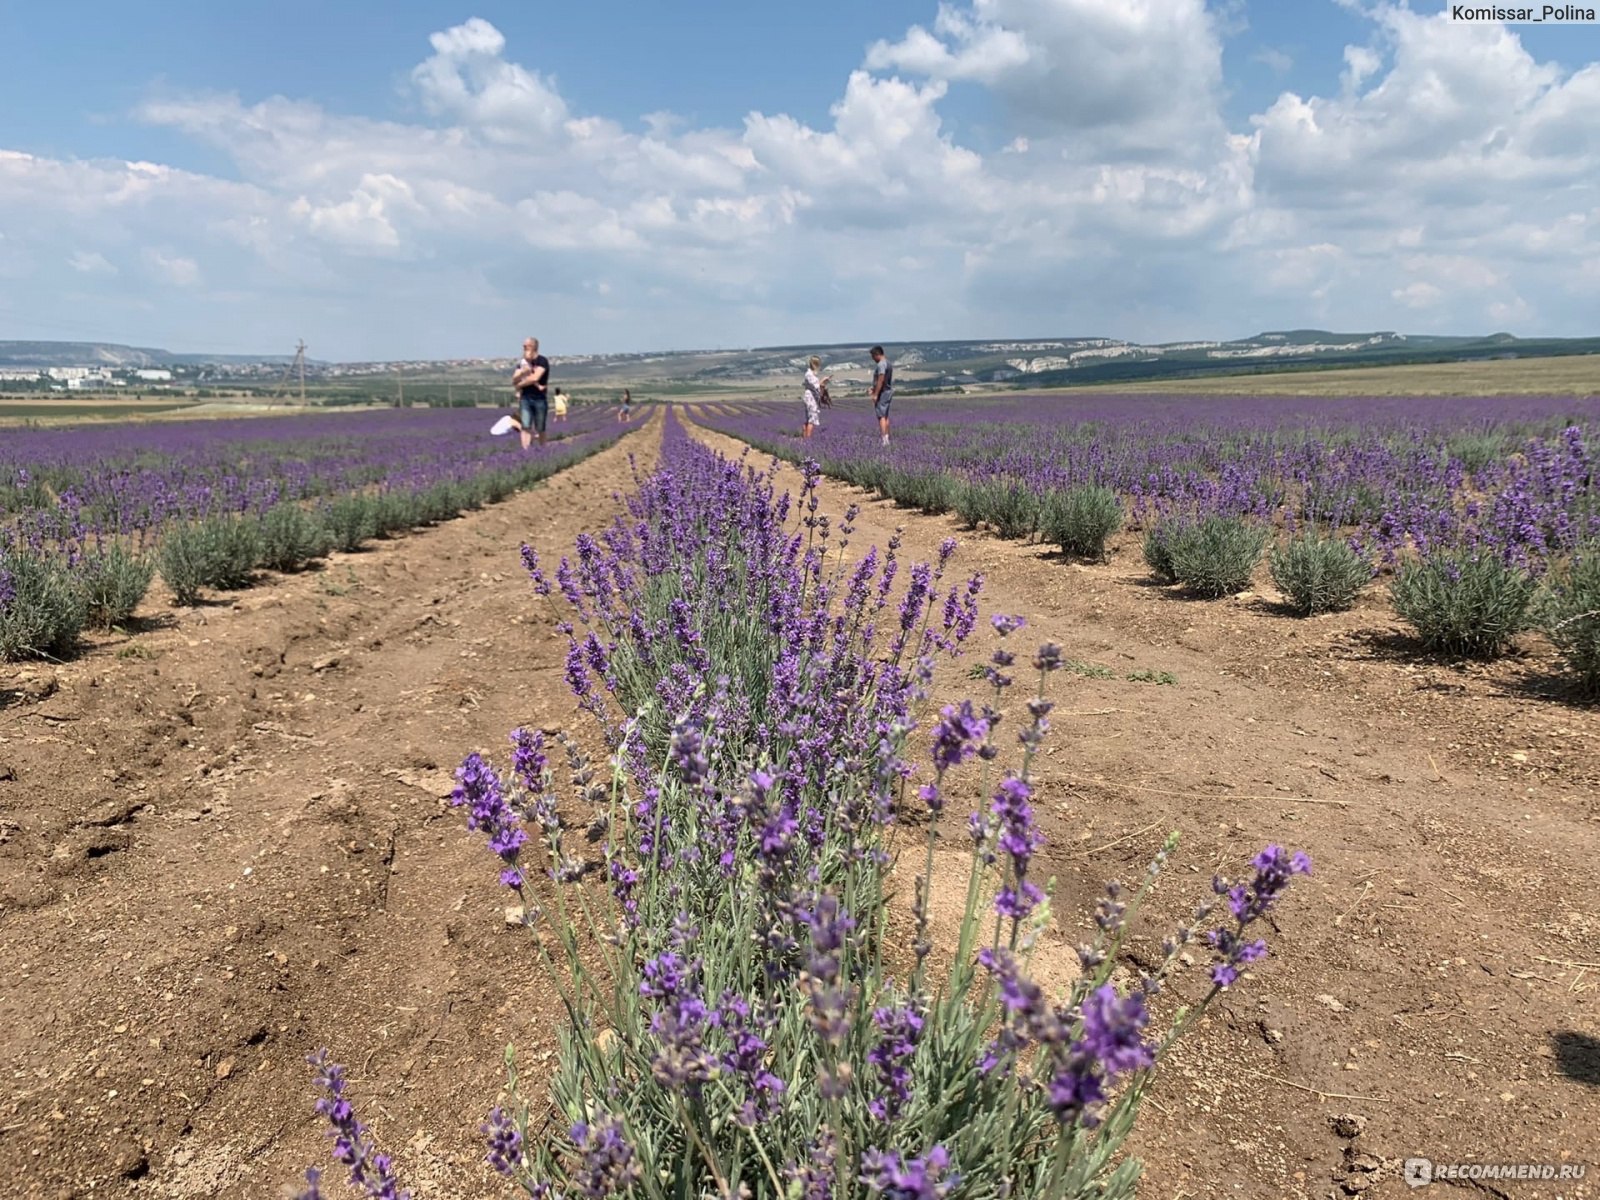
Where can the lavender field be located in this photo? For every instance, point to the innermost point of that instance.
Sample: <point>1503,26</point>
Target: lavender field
<point>89,515</point>
<point>59,487</point>
<point>1515,473</point>
<point>1466,505</point>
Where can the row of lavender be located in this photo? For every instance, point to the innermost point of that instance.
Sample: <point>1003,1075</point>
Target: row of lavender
<point>69,486</point>
<point>1406,473</point>
<point>747,1015</point>
<point>1470,503</point>
<point>87,516</point>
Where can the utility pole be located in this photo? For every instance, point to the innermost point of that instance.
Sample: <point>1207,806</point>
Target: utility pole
<point>299,364</point>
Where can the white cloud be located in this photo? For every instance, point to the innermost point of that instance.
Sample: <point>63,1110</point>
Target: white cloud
<point>1418,295</point>
<point>1133,73</point>
<point>90,262</point>
<point>1279,62</point>
<point>467,80</point>
<point>175,269</point>
<point>1449,179</point>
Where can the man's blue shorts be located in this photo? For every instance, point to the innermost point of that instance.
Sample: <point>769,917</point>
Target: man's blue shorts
<point>535,409</point>
<point>881,405</point>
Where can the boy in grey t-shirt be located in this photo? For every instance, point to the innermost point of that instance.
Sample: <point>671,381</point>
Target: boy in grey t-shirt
<point>882,389</point>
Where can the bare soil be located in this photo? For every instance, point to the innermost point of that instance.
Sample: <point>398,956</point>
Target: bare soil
<point>223,844</point>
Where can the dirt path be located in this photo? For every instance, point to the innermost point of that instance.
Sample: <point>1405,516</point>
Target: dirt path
<point>1429,978</point>
<point>223,844</point>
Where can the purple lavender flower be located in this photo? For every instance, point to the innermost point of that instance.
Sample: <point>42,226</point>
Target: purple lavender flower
<point>1112,1029</point>
<point>313,1187</point>
<point>1027,1016</point>
<point>815,1177</point>
<point>679,1021</point>
<point>352,1143</point>
<point>830,928</point>
<point>530,563</point>
<point>688,753</point>
<point>746,1060</point>
<point>1110,1044</point>
<point>929,1177</point>
<point>1019,838</point>
<point>624,880</point>
<point>831,999</point>
<point>505,1143</point>
<point>899,1029</point>
<point>958,735</point>
<point>479,787</point>
<point>610,1165</point>
<point>1274,867</point>
<point>1074,1091</point>
<point>578,671</point>
<point>528,758</point>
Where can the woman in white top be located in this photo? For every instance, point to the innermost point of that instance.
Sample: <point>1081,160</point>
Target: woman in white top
<point>813,396</point>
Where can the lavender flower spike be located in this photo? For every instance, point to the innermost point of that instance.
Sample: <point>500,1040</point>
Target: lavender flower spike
<point>1275,867</point>
<point>927,1178</point>
<point>352,1143</point>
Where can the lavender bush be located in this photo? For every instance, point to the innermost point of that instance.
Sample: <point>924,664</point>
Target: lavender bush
<point>1465,603</point>
<point>1216,555</point>
<point>43,606</point>
<point>291,536</point>
<point>1570,614</point>
<point>1318,573</point>
<point>217,552</point>
<point>350,522</point>
<point>1081,520</point>
<point>1157,546</point>
<point>748,1016</point>
<point>114,580</point>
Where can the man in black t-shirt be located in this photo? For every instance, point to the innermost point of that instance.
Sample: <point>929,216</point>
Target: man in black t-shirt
<point>532,381</point>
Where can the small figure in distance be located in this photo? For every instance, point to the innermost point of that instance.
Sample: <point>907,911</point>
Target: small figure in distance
<point>882,389</point>
<point>558,405</point>
<point>627,405</point>
<point>814,387</point>
<point>532,381</point>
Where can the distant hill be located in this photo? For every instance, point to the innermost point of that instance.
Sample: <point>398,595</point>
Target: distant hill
<point>1055,362</point>
<point>1306,349</point>
<point>108,354</point>
<point>1013,362</point>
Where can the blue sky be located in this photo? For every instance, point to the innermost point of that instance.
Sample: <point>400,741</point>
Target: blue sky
<point>421,179</point>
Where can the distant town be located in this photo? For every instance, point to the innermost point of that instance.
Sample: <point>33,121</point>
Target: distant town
<point>985,364</point>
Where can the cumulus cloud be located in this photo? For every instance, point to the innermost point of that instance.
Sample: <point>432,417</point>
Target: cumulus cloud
<point>1446,181</point>
<point>1123,73</point>
<point>468,80</point>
